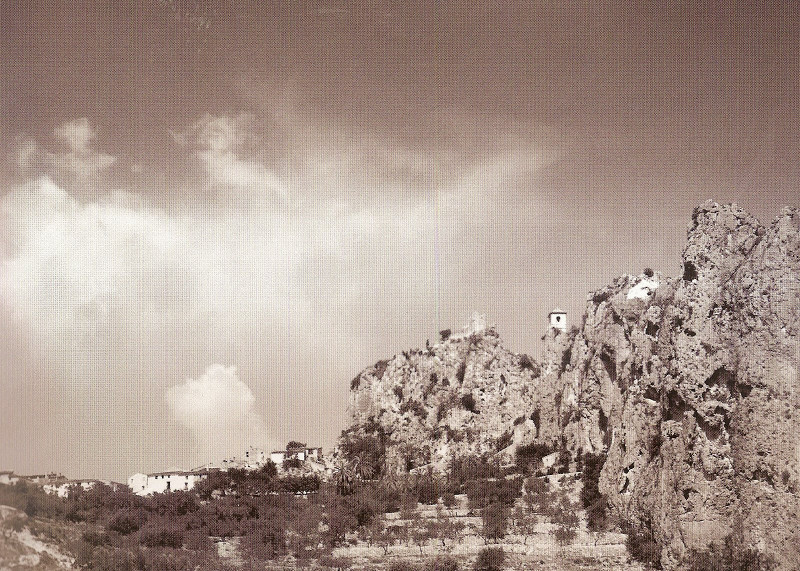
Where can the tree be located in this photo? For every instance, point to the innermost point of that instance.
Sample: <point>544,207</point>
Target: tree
<point>537,494</point>
<point>494,518</point>
<point>490,559</point>
<point>564,515</point>
<point>444,528</point>
<point>525,521</point>
<point>593,501</point>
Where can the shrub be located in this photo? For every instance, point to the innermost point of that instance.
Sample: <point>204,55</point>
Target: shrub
<point>292,463</point>
<point>110,559</point>
<point>494,518</point>
<point>481,493</point>
<point>731,555</point>
<point>380,368</point>
<point>444,563</point>
<point>162,537</point>
<point>504,440</point>
<point>593,501</point>
<point>448,499</point>
<point>648,272</point>
<point>654,444</point>
<point>355,382</point>
<point>398,392</point>
<point>427,491</point>
<point>468,402</point>
<point>401,566</point>
<point>642,546</point>
<point>444,334</point>
<point>415,407</point>
<point>527,363</point>
<point>490,559</point>
<point>530,456</point>
<point>96,538</point>
<point>331,562</point>
<point>125,522</point>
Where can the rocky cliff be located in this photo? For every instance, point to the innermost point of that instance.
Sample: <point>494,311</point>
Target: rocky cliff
<point>688,384</point>
<point>465,395</point>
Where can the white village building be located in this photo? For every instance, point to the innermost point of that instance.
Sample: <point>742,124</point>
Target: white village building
<point>160,482</point>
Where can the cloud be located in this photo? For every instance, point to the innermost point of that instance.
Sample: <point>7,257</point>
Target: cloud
<point>222,144</point>
<point>121,297</point>
<point>78,161</point>
<point>81,159</point>
<point>218,409</point>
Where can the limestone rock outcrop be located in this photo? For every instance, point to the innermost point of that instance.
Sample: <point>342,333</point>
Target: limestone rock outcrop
<point>688,384</point>
<point>466,395</point>
<point>692,390</point>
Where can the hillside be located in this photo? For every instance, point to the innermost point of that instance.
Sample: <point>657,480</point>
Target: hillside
<point>464,395</point>
<point>688,384</point>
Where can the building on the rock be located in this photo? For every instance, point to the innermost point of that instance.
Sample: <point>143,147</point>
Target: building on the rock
<point>296,451</point>
<point>558,319</point>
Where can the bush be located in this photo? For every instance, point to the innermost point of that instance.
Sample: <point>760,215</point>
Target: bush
<point>642,546</point>
<point>529,456</point>
<point>125,522</point>
<point>490,559</point>
<point>427,491</point>
<point>292,463</point>
<point>329,561</point>
<point>504,441</point>
<point>401,566</point>
<point>468,402</point>
<point>593,501</point>
<point>444,334</point>
<point>444,563</point>
<point>494,518</point>
<point>525,362</point>
<point>162,537</point>
<point>481,493</point>
<point>96,538</point>
<point>731,555</point>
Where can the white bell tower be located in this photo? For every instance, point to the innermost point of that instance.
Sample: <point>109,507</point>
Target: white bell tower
<point>558,319</point>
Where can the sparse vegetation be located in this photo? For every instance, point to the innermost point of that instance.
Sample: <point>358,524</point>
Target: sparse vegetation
<point>593,501</point>
<point>468,402</point>
<point>490,559</point>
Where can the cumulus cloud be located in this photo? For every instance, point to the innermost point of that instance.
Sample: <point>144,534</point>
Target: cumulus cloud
<point>222,144</point>
<point>219,411</point>
<point>76,158</point>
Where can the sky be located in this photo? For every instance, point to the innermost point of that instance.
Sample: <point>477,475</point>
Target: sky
<point>213,215</point>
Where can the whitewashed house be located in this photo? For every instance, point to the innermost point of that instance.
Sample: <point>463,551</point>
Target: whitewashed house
<point>161,482</point>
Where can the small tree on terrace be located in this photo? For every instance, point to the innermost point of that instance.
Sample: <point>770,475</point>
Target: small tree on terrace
<point>494,518</point>
<point>525,521</point>
<point>444,528</point>
<point>563,513</point>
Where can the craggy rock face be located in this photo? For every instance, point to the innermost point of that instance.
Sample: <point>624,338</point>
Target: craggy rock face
<point>689,384</point>
<point>464,396</point>
<point>692,389</point>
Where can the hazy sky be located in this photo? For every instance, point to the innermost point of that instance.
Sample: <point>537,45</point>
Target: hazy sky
<point>213,215</point>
